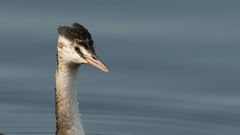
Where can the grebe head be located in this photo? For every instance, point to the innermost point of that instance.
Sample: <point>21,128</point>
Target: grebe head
<point>75,46</point>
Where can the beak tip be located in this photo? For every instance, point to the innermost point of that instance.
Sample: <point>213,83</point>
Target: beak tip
<point>105,70</point>
<point>97,63</point>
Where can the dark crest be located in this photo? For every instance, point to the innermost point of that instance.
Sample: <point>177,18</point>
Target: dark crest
<point>76,33</point>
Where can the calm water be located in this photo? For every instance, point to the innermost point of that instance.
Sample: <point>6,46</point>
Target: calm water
<point>174,67</point>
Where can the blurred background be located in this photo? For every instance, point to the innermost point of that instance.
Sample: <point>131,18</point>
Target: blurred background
<point>174,66</point>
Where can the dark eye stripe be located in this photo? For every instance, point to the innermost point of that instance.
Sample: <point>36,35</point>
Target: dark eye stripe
<point>77,49</point>
<point>86,44</point>
<point>84,41</point>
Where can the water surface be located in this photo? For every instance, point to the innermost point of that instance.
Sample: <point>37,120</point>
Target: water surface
<point>174,67</point>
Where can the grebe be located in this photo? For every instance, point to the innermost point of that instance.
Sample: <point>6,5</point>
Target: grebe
<point>74,47</point>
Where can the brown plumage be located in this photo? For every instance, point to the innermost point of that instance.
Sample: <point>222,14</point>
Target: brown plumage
<point>76,33</point>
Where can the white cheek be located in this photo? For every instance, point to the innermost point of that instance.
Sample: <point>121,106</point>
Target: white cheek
<point>75,57</point>
<point>69,53</point>
<point>84,51</point>
<point>63,40</point>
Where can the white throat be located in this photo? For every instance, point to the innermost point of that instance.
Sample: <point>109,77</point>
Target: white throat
<point>67,110</point>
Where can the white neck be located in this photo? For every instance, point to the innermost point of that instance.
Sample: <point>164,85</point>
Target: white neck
<point>67,110</point>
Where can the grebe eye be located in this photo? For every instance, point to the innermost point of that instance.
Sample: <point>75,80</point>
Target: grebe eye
<point>76,49</point>
<point>94,57</point>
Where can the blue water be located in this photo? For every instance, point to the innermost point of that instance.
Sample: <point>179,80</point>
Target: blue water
<point>174,67</point>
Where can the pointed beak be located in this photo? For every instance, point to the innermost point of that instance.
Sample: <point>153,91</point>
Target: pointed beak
<point>96,62</point>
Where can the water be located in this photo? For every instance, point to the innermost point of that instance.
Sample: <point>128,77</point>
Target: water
<point>174,67</point>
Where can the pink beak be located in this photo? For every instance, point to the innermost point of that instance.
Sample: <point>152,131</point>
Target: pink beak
<point>96,62</point>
